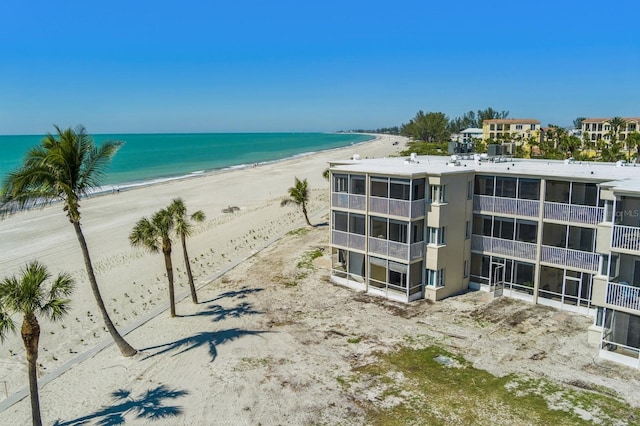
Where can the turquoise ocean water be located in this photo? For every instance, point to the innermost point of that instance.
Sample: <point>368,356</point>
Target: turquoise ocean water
<point>146,158</point>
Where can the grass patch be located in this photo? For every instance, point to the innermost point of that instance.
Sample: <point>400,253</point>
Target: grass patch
<point>305,267</point>
<point>354,340</point>
<point>299,231</point>
<point>435,387</point>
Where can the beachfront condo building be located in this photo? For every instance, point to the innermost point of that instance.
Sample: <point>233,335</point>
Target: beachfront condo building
<point>600,128</point>
<point>563,234</point>
<point>511,129</point>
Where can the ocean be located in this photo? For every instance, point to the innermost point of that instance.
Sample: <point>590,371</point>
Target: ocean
<point>147,158</point>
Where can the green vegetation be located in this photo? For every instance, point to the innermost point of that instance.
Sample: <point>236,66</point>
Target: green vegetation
<point>426,148</point>
<point>435,387</point>
<point>304,267</point>
<point>299,231</point>
<point>299,195</point>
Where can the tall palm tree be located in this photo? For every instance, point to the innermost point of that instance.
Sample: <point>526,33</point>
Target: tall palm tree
<point>299,195</point>
<point>28,296</point>
<point>65,166</point>
<point>184,228</point>
<point>154,235</point>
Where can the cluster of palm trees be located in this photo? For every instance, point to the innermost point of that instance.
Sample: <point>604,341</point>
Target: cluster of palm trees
<point>66,167</point>
<point>154,234</point>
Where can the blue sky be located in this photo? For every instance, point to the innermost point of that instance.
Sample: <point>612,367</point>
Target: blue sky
<point>242,65</point>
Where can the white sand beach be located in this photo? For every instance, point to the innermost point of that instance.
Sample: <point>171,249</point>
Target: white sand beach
<point>266,344</point>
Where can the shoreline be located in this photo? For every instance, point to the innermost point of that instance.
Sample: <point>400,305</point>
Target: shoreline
<point>126,186</point>
<point>132,281</point>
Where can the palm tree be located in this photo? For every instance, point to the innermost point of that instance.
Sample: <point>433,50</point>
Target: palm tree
<point>64,167</point>
<point>154,235</point>
<point>28,296</point>
<point>299,195</point>
<point>184,228</point>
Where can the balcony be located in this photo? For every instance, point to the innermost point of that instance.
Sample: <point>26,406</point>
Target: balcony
<point>348,240</point>
<point>395,249</point>
<point>626,237</point>
<point>389,206</point>
<point>349,201</point>
<point>499,246</point>
<point>500,205</point>
<point>623,295</point>
<point>570,258</point>
<point>573,213</point>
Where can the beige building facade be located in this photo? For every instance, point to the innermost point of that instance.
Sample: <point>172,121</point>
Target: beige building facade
<point>559,234</point>
<point>600,128</point>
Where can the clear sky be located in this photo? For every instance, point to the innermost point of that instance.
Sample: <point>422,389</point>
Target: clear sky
<point>255,65</point>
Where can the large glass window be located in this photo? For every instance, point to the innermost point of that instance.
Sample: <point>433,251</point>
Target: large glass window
<point>483,185</point>
<point>400,189</point>
<point>526,230</point>
<point>356,224</point>
<point>529,189</point>
<point>418,189</point>
<point>581,238</point>
<point>380,187</point>
<point>506,187</point>
<point>585,194</point>
<point>438,193</point>
<point>435,278</point>
<point>557,191</point>
<point>379,228</point>
<point>554,235</point>
<point>417,231</point>
<point>482,225</point>
<point>340,183</point>
<point>398,231</point>
<point>436,235</point>
<point>340,221</point>
<point>358,185</point>
<point>503,227</point>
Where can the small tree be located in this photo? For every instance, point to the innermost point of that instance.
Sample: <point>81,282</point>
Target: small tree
<point>299,195</point>
<point>28,296</point>
<point>154,235</point>
<point>184,228</point>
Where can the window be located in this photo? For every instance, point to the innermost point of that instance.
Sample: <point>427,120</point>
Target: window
<point>380,187</point>
<point>585,194</point>
<point>533,127</point>
<point>356,224</point>
<point>503,228</point>
<point>518,126</point>
<point>526,230</point>
<point>465,268</point>
<point>340,220</point>
<point>484,185</point>
<point>417,231</point>
<point>379,228</point>
<point>529,189</point>
<point>482,225</point>
<point>358,185</point>
<point>340,183</point>
<point>398,231</point>
<point>438,194</point>
<point>492,127</point>
<point>436,235</point>
<point>435,278</point>
<point>557,191</point>
<point>469,190</point>
<point>418,189</point>
<point>399,189</point>
<point>467,230</point>
<point>506,187</point>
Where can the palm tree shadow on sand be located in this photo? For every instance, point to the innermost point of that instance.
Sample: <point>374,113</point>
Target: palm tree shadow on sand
<point>211,339</point>
<point>148,406</point>
<point>219,313</point>
<point>240,294</point>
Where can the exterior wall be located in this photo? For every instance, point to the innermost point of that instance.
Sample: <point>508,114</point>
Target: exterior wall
<point>511,129</point>
<point>600,128</point>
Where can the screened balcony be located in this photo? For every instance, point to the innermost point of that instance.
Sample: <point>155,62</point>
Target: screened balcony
<point>519,249</point>
<point>623,295</point>
<point>563,212</point>
<point>626,237</point>
<point>570,258</point>
<point>513,206</point>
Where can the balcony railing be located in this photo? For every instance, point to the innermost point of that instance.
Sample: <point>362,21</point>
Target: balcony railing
<point>573,213</point>
<point>501,205</point>
<point>623,295</point>
<point>503,247</point>
<point>348,201</point>
<point>571,258</point>
<point>626,237</point>
<point>394,207</point>
<point>346,239</point>
<point>389,248</point>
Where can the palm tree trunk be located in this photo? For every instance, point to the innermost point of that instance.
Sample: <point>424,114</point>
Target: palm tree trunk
<point>172,296</point>
<point>30,336</point>
<point>304,212</point>
<point>192,287</point>
<point>125,348</point>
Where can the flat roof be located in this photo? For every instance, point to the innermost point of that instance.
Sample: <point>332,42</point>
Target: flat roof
<point>620,177</point>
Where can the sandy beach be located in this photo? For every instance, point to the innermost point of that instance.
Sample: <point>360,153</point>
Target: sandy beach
<point>271,342</point>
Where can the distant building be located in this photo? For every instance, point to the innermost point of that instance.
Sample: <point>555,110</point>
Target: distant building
<point>562,234</point>
<point>513,129</point>
<point>600,128</point>
<point>470,135</point>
